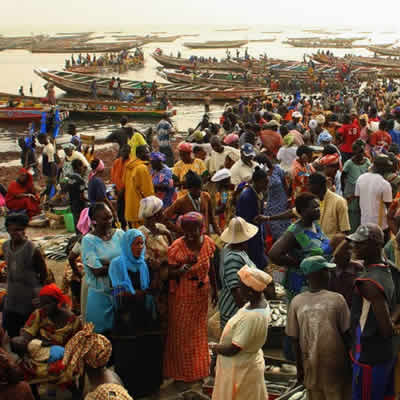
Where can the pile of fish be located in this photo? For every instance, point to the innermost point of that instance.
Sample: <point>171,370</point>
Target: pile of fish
<point>278,314</point>
<point>54,247</point>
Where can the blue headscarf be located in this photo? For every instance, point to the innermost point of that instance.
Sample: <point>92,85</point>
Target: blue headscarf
<point>120,266</point>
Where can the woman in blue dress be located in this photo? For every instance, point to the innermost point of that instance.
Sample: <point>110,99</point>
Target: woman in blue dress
<point>99,248</point>
<point>277,201</point>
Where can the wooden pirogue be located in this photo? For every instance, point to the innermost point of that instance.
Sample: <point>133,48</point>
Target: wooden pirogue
<point>81,84</point>
<point>357,60</point>
<point>216,44</point>
<point>175,62</point>
<point>394,52</point>
<point>85,47</point>
<point>32,107</point>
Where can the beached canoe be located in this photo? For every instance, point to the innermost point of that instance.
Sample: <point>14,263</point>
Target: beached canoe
<point>377,62</point>
<point>215,44</point>
<point>85,47</point>
<point>175,62</point>
<point>81,84</point>
<point>394,52</point>
<point>84,107</point>
<point>219,79</point>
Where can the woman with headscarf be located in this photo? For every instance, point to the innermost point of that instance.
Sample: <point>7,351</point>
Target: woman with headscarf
<point>88,353</point>
<point>240,359</point>
<point>21,195</point>
<point>158,239</point>
<point>186,164</point>
<point>12,384</point>
<point>98,249</point>
<point>287,153</point>
<point>191,277</point>
<point>53,324</point>
<point>97,191</point>
<point>72,154</point>
<point>162,178</point>
<point>136,318</point>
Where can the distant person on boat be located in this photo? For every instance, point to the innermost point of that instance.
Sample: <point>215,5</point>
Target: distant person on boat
<point>51,94</point>
<point>21,91</point>
<point>93,88</point>
<point>21,195</point>
<point>31,90</point>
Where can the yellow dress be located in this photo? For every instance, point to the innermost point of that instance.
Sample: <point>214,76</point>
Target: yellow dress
<point>241,377</point>
<point>138,185</point>
<point>180,169</point>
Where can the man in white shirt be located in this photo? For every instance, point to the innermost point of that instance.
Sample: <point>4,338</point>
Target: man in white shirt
<point>375,194</point>
<point>242,170</point>
<point>218,155</point>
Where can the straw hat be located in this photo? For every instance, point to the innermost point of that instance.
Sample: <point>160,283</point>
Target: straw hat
<point>238,231</point>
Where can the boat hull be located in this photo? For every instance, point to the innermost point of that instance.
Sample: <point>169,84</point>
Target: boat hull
<point>20,114</point>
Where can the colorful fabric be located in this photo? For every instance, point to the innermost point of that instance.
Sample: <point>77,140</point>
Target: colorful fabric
<point>186,351</point>
<point>329,159</point>
<point>157,156</point>
<point>135,141</point>
<point>86,347</point>
<point>180,170</point>
<point>40,326</point>
<point>300,176</point>
<point>254,278</point>
<point>84,222</point>
<point>120,266</point>
<point>138,185</point>
<point>185,147</point>
<point>109,391</point>
<point>117,173</point>
<point>30,204</point>
<point>231,138</point>
<point>164,177</point>
<point>192,216</point>
<point>98,169</point>
<point>55,292</point>
<point>149,206</point>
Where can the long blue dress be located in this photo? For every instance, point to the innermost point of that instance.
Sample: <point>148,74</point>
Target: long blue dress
<point>99,308</point>
<point>248,207</point>
<point>277,202</point>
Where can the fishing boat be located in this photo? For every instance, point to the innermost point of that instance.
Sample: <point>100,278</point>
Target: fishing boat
<point>377,62</point>
<point>81,84</point>
<point>233,30</point>
<point>86,48</point>
<point>175,62</point>
<point>215,44</point>
<point>265,40</point>
<point>218,79</point>
<point>83,107</point>
<point>272,32</point>
<point>394,52</point>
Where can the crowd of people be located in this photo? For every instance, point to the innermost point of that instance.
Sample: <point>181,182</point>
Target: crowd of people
<point>304,184</point>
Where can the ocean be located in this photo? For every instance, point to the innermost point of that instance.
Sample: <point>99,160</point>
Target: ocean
<point>16,66</point>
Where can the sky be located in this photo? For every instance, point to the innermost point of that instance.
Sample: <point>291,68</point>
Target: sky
<point>222,12</point>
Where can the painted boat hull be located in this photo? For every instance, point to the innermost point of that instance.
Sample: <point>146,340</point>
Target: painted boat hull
<point>20,114</point>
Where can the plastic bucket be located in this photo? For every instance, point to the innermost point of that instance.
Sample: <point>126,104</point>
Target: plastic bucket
<point>62,210</point>
<point>69,222</point>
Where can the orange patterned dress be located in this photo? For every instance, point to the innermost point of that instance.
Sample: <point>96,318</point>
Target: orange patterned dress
<point>186,353</point>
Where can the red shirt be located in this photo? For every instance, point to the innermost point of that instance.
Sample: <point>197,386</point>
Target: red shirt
<point>380,138</point>
<point>350,133</point>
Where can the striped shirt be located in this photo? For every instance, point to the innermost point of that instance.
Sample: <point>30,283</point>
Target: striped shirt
<point>232,263</point>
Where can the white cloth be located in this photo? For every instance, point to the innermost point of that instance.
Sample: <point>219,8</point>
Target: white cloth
<point>286,156</point>
<point>241,172</point>
<point>217,160</point>
<point>76,155</point>
<point>372,189</point>
<point>49,151</point>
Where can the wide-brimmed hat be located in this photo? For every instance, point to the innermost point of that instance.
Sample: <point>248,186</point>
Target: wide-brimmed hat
<point>238,231</point>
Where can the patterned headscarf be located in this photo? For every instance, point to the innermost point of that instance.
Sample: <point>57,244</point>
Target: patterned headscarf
<point>86,347</point>
<point>231,138</point>
<point>99,168</point>
<point>254,278</point>
<point>192,216</point>
<point>149,206</point>
<point>157,156</point>
<point>185,147</point>
<point>109,391</point>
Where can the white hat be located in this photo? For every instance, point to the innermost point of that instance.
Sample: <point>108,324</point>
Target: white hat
<point>296,114</point>
<point>238,231</point>
<point>220,175</point>
<point>313,124</point>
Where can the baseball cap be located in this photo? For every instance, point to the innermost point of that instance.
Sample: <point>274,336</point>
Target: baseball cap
<point>368,231</point>
<point>314,264</point>
<point>248,150</point>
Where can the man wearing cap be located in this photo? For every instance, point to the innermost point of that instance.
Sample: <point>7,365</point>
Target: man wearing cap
<point>375,193</point>
<point>295,123</point>
<point>374,299</point>
<point>318,321</point>
<point>242,170</point>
